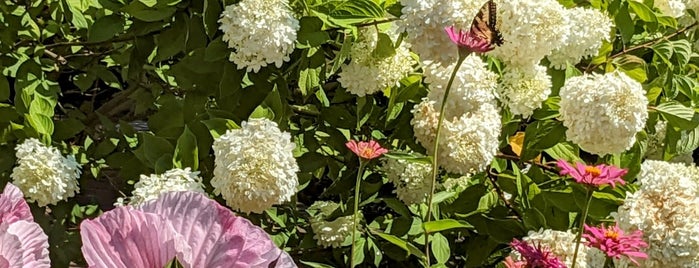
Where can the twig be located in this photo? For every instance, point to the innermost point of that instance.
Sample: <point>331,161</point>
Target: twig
<point>646,44</point>
<point>501,194</point>
<point>516,158</point>
<point>376,22</point>
<point>56,57</point>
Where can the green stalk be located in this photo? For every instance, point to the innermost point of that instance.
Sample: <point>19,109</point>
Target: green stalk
<point>582,226</point>
<point>435,166</point>
<point>355,217</point>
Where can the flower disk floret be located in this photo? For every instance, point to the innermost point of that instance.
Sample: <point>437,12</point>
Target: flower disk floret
<point>255,167</point>
<point>260,32</point>
<point>43,174</point>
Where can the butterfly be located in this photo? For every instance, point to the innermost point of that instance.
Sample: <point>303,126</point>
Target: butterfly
<point>484,25</point>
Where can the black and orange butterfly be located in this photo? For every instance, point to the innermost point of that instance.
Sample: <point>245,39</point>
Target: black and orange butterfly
<point>484,25</point>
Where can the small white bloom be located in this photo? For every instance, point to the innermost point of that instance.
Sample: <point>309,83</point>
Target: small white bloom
<point>150,187</point>
<point>255,168</point>
<point>531,29</point>
<point>412,179</point>
<point>524,89</point>
<point>330,233</point>
<point>665,208</point>
<point>592,106</point>
<point>562,244</point>
<point>367,74</point>
<point>587,29</point>
<point>43,174</point>
<point>260,31</point>
<point>673,8</point>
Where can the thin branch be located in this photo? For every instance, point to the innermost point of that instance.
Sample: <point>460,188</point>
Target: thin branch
<point>376,22</point>
<point>58,58</point>
<point>516,158</point>
<point>501,194</point>
<point>647,44</point>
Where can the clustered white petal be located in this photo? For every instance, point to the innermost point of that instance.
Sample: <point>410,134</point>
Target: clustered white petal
<point>43,174</point>
<point>562,244</point>
<point>255,167</point>
<point>260,32</point>
<point>367,73</point>
<point>424,21</point>
<point>531,29</point>
<point>174,180</point>
<point>593,105</point>
<point>330,233</point>
<point>673,8</point>
<point>587,29</point>
<point>523,89</point>
<point>665,208</point>
<point>412,179</point>
<point>469,138</point>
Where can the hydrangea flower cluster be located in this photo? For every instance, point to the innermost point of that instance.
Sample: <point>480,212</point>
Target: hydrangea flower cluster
<point>562,245</point>
<point>150,187</point>
<point>43,174</point>
<point>426,19</point>
<point>261,32</point>
<point>531,30</point>
<point>330,233</point>
<point>588,28</point>
<point>469,137</point>
<point>673,8</point>
<point>412,179</point>
<point>593,105</point>
<point>523,89</point>
<point>665,208</point>
<point>385,72</point>
<point>255,167</point>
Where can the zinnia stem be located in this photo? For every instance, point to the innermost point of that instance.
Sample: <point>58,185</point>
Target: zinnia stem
<point>435,153</point>
<point>355,217</point>
<point>582,226</point>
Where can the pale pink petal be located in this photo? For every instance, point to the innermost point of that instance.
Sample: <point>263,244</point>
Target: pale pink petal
<point>125,237</point>
<point>212,236</point>
<point>13,207</point>
<point>10,248</point>
<point>34,243</point>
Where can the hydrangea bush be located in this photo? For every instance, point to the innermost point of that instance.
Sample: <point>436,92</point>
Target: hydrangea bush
<point>370,133</point>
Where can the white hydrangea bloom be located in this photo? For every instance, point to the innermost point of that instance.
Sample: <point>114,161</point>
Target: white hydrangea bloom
<point>424,21</point>
<point>524,89</point>
<point>592,106</point>
<point>562,244</point>
<point>473,85</point>
<point>174,180</point>
<point>255,167</point>
<point>367,74</point>
<point>673,8</point>
<point>665,208</point>
<point>468,142</point>
<point>330,233</point>
<point>588,28</point>
<point>412,179</point>
<point>456,184</point>
<point>531,29</point>
<point>261,32</point>
<point>43,174</point>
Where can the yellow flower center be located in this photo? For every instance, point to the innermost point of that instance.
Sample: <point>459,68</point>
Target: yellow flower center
<point>367,152</point>
<point>593,171</point>
<point>611,234</point>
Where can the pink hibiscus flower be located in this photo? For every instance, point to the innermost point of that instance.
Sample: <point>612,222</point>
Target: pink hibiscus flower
<point>188,226</point>
<point>366,150</point>
<point>593,176</point>
<point>614,242</point>
<point>22,241</point>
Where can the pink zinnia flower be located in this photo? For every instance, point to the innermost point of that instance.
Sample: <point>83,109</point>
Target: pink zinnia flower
<point>187,225</point>
<point>366,150</point>
<point>593,176</point>
<point>468,40</point>
<point>615,243</point>
<point>535,257</point>
<point>510,263</point>
<point>22,241</point>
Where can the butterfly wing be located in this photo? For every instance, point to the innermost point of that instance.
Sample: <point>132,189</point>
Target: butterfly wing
<point>484,25</point>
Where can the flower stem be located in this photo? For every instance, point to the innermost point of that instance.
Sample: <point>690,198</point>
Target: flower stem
<point>582,226</point>
<point>435,166</point>
<point>355,217</point>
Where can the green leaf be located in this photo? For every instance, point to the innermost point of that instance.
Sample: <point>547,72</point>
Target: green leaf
<point>219,126</point>
<point>683,51</point>
<point>212,12</point>
<point>310,33</point>
<point>633,66</point>
<point>41,123</point>
<point>186,151</point>
<point>149,3</point>
<point>440,248</point>
<point>445,224</point>
<point>678,115</point>
<point>384,47</point>
<point>4,88</point>
<point>624,23</point>
<point>105,28</point>
<point>540,136</point>
<point>148,14</point>
<point>682,142</point>
<point>409,248</point>
<point>316,264</point>
<point>152,148</point>
<point>644,12</point>
<point>359,253</point>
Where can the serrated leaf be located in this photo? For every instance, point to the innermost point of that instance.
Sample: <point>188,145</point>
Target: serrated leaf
<point>678,115</point>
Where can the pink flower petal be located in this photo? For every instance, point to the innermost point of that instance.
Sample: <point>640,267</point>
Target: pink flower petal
<point>124,237</point>
<point>212,236</point>
<point>13,207</point>
<point>10,248</point>
<point>34,243</point>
